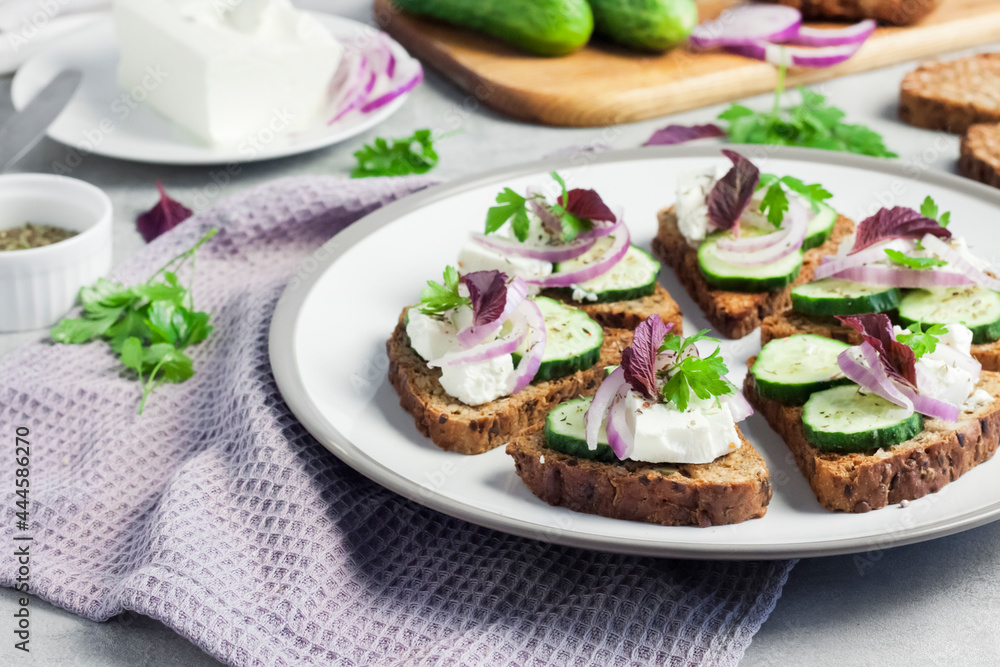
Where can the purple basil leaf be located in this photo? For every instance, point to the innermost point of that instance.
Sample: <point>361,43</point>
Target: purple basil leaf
<point>876,328</point>
<point>898,222</point>
<point>587,204</point>
<point>731,194</point>
<point>679,134</point>
<point>163,217</point>
<point>488,293</point>
<point>639,360</point>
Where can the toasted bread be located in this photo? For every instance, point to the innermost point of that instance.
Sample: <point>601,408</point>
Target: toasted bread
<point>731,489</point>
<point>466,429</point>
<point>860,482</point>
<point>628,314</point>
<point>952,95</point>
<point>790,323</point>
<point>980,154</point>
<point>894,12</point>
<point>734,314</point>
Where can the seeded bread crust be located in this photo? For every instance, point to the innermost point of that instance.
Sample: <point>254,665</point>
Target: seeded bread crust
<point>894,12</point>
<point>734,314</point>
<point>857,482</point>
<point>731,489</point>
<point>466,429</point>
<point>952,95</point>
<point>790,323</point>
<point>628,314</point>
<point>980,154</point>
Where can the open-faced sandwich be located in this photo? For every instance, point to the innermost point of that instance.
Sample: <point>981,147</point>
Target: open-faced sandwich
<point>906,263</point>
<point>575,249</point>
<point>477,361</point>
<point>891,419</point>
<point>659,441</point>
<point>739,240</point>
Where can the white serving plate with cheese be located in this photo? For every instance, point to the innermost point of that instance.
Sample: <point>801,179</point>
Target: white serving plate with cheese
<point>103,119</point>
<point>333,376</point>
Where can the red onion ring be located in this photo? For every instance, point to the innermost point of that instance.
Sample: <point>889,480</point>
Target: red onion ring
<point>956,261</point>
<point>891,276</point>
<point>873,377</point>
<point>532,359</point>
<point>932,407</point>
<point>472,335</point>
<point>797,56</point>
<point>792,239</point>
<point>832,265</point>
<point>746,25</point>
<point>504,345</point>
<point>621,439</point>
<point>598,409</point>
<point>853,34</point>
<point>555,253</point>
<point>602,265</point>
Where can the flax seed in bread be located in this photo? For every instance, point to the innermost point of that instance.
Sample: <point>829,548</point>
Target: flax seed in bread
<point>952,95</point>
<point>894,12</point>
<point>734,314</point>
<point>980,154</point>
<point>455,426</point>
<point>731,489</point>
<point>790,323</point>
<point>860,482</point>
<point>628,314</point>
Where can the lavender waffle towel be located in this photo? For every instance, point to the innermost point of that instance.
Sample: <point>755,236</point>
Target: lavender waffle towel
<point>216,513</point>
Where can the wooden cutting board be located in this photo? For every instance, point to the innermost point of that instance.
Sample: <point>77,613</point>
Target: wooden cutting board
<point>606,85</point>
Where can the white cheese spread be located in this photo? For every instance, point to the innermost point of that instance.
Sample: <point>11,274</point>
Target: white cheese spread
<point>665,434</point>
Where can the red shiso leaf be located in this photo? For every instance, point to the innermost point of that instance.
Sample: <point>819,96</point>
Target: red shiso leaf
<point>898,222</point>
<point>679,134</point>
<point>587,204</point>
<point>167,214</point>
<point>488,293</point>
<point>731,194</point>
<point>876,328</point>
<point>639,359</point>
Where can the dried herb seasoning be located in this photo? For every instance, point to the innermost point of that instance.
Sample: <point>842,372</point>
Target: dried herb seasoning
<point>30,236</point>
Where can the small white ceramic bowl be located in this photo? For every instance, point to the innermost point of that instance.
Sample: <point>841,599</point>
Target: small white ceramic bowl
<point>40,285</point>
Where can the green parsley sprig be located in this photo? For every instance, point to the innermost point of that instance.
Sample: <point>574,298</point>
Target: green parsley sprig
<point>929,209</point>
<point>775,201</point>
<point>702,376</point>
<point>148,325</point>
<point>923,341</point>
<point>437,298</point>
<point>512,206</point>
<point>898,257</point>
<point>396,157</point>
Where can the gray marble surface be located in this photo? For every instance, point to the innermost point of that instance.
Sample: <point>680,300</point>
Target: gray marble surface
<point>931,603</point>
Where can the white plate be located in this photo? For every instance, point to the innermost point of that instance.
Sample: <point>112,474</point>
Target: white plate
<point>103,119</point>
<point>328,337</point>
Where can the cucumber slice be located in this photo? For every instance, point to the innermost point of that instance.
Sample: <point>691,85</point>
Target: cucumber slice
<point>976,307</point>
<point>573,340</point>
<point>842,419</point>
<point>820,227</point>
<point>789,370</point>
<point>632,278</point>
<point>565,431</point>
<point>834,296</point>
<point>765,278</point>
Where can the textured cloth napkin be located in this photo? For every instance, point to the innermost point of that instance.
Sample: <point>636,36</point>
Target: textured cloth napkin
<point>216,513</point>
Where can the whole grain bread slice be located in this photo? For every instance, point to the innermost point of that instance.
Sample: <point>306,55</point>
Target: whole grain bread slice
<point>628,314</point>
<point>466,429</point>
<point>734,314</point>
<point>979,154</point>
<point>790,323</point>
<point>860,482</point>
<point>731,489</point>
<point>895,12</point>
<point>952,95</point>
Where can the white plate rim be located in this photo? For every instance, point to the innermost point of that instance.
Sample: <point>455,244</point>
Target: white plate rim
<point>196,155</point>
<point>290,385</point>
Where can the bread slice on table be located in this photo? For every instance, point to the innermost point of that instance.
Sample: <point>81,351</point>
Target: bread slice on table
<point>980,154</point>
<point>468,429</point>
<point>790,323</point>
<point>730,489</point>
<point>734,314</point>
<point>952,95</point>
<point>860,482</point>
<point>894,12</point>
<point>628,314</point>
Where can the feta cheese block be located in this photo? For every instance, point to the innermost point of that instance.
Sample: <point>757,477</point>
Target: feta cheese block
<point>233,72</point>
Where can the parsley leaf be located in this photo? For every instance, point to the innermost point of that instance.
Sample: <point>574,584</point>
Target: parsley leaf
<point>680,344</point>
<point>410,155</point>
<point>913,262</point>
<point>923,341</point>
<point>929,209</point>
<point>438,298</point>
<point>775,201</point>
<point>774,204</point>
<point>146,325</point>
<point>513,207</point>
<point>702,376</point>
<point>572,225</point>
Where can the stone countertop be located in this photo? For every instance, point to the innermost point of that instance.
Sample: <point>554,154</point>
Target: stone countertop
<point>937,602</point>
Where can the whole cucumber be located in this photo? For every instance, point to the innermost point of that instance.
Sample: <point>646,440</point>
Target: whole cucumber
<point>656,25</point>
<point>540,27</point>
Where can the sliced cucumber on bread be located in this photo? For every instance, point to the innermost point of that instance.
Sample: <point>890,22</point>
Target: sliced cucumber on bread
<point>565,431</point>
<point>976,307</point>
<point>834,296</point>
<point>843,419</point>
<point>790,370</point>
<point>573,340</point>
<point>820,227</point>
<point>633,277</point>
<point>737,278</point>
